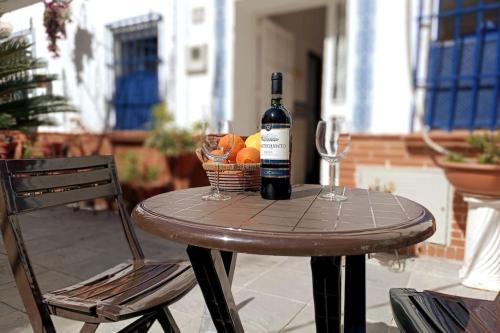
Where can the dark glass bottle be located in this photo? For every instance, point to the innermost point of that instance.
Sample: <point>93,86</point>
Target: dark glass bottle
<point>276,146</point>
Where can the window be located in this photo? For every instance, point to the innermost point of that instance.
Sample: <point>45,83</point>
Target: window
<point>463,75</point>
<point>135,64</point>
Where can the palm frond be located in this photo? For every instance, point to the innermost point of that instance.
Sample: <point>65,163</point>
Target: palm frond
<point>19,67</point>
<point>21,106</point>
<point>26,84</point>
<point>14,48</point>
<point>7,121</point>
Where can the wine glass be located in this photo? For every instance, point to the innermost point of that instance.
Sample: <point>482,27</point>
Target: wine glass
<point>332,143</point>
<point>217,151</point>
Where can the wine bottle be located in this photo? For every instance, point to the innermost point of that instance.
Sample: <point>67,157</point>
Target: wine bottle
<point>276,146</point>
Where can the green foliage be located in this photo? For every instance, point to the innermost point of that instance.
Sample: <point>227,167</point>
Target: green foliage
<point>129,171</point>
<point>455,157</point>
<point>22,104</point>
<point>488,144</point>
<point>169,139</point>
<point>150,174</point>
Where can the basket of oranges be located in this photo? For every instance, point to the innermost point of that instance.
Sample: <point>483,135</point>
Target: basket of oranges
<point>241,170</point>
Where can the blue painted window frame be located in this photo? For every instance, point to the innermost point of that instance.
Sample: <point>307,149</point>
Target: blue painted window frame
<point>463,75</point>
<point>135,64</point>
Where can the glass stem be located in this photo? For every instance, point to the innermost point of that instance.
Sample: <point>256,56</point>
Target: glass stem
<point>332,176</point>
<point>217,184</point>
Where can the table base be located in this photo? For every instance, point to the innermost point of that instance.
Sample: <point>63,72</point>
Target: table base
<point>214,271</point>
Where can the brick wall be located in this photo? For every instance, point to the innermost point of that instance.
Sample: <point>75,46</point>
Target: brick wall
<point>410,150</point>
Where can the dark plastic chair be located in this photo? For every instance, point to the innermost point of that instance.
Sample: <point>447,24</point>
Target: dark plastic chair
<point>137,287</point>
<point>430,311</point>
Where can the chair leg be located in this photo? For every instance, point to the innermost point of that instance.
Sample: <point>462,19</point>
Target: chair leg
<point>89,328</point>
<point>141,325</point>
<point>167,321</point>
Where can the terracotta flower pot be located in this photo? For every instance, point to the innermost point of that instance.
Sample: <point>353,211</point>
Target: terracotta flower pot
<point>472,178</point>
<point>7,150</point>
<point>186,171</point>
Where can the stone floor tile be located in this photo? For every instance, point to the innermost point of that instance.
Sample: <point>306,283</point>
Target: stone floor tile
<point>378,276</point>
<point>300,264</point>
<point>437,267</point>
<point>377,327</point>
<point>5,310</point>
<point>48,280</point>
<point>422,280</point>
<point>182,319</point>
<point>286,283</point>
<point>192,303</point>
<point>378,307</point>
<point>265,313</point>
<point>64,257</point>
<point>303,322</point>
<point>15,322</point>
<point>85,269</point>
<point>249,267</point>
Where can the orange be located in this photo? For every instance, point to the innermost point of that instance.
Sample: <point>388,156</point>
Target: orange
<point>248,155</point>
<point>217,152</point>
<point>238,144</point>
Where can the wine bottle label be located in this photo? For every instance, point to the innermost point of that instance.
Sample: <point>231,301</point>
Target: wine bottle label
<point>275,144</point>
<point>275,172</point>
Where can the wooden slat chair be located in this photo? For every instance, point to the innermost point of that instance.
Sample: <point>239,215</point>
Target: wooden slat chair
<point>430,311</point>
<point>137,287</point>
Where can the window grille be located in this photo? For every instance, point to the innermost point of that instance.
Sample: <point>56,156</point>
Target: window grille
<point>462,84</point>
<point>135,65</point>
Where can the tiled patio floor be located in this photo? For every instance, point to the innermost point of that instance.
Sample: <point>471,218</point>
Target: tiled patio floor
<point>274,294</point>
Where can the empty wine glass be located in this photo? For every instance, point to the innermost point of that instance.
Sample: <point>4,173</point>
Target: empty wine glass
<point>217,151</point>
<point>332,143</point>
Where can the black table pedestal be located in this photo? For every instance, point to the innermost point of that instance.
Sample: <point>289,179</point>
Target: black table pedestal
<point>326,272</point>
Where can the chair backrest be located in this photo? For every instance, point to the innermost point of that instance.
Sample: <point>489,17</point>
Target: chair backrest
<point>29,185</point>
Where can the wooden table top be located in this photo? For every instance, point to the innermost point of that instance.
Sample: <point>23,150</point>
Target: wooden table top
<point>367,222</point>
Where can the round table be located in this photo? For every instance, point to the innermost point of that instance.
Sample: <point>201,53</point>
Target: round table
<point>214,231</point>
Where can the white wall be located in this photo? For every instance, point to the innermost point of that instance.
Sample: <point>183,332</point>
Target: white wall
<point>391,90</point>
<point>91,95</point>
<point>192,93</point>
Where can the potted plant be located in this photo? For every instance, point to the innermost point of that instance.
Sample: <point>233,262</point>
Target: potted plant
<point>178,145</point>
<point>480,175</point>
<point>478,179</point>
<point>139,180</point>
<point>24,100</point>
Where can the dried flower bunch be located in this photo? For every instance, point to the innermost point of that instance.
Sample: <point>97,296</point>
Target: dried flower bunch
<point>57,14</point>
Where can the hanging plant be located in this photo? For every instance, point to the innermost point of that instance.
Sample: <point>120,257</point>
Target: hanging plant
<point>57,14</point>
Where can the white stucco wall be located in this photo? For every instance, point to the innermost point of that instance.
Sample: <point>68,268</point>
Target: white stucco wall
<point>189,95</point>
<point>391,90</point>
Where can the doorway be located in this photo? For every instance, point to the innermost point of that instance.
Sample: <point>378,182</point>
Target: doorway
<point>314,91</point>
<point>299,36</point>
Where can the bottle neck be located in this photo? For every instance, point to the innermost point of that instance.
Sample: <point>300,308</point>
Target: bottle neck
<point>276,99</point>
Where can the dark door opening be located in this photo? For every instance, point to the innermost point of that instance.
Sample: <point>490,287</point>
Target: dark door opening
<point>314,84</point>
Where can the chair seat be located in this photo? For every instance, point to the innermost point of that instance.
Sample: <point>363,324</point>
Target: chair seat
<point>123,291</point>
<point>431,311</point>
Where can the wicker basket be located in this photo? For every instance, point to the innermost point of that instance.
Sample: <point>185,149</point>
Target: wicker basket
<point>233,177</point>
